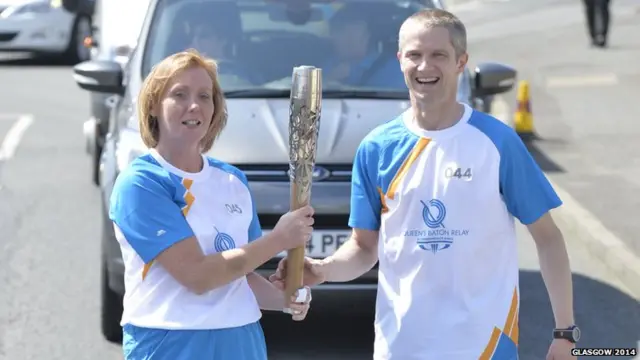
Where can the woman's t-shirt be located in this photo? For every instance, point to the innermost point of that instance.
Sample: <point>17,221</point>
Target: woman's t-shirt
<point>155,205</point>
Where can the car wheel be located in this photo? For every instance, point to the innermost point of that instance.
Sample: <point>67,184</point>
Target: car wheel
<point>76,50</point>
<point>111,311</point>
<point>95,164</point>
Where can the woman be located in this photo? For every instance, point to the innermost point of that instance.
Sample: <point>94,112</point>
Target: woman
<point>188,229</point>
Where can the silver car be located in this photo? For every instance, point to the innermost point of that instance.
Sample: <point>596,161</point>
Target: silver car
<point>116,25</point>
<point>258,43</point>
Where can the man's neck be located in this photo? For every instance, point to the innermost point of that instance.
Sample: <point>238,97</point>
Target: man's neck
<point>437,116</point>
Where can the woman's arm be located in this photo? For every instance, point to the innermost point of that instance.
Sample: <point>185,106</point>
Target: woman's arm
<point>269,297</point>
<point>145,214</point>
<point>201,273</point>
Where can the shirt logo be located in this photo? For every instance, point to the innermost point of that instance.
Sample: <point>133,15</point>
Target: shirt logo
<point>233,208</point>
<point>434,213</point>
<point>223,242</point>
<point>436,237</point>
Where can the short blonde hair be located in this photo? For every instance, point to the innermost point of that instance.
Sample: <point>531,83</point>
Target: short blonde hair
<point>430,18</point>
<point>155,86</point>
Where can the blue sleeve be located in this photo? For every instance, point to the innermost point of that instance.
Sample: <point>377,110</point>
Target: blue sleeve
<point>366,204</point>
<point>255,230</point>
<point>525,188</point>
<point>142,206</point>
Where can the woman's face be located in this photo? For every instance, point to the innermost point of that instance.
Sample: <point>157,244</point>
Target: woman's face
<point>186,110</point>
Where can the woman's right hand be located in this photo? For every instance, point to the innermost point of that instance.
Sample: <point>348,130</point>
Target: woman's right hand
<point>294,228</point>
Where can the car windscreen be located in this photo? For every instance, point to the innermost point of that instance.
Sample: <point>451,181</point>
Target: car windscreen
<point>257,43</point>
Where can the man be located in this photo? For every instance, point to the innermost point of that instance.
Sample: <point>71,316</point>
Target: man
<point>597,12</point>
<point>356,61</point>
<point>434,193</point>
<point>214,37</point>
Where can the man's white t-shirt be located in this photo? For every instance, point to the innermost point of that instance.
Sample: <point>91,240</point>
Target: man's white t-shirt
<point>155,205</point>
<point>444,203</point>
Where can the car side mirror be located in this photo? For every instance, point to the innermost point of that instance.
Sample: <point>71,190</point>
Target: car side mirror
<point>71,5</point>
<point>493,78</point>
<point>100,76</point>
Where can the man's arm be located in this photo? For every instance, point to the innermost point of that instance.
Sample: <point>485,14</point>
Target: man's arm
<point>555,269</point>
<point>529,197</point>
<point>360,253</point>
<point>354,258</point>
<point>268,296</point>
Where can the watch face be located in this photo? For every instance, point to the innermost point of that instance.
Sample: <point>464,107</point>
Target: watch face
<point>576,334</point>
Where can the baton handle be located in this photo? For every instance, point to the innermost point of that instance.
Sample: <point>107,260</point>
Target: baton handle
<point>295,256</point>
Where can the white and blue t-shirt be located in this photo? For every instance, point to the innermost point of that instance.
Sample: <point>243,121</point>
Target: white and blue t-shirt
<point>444,202</point>
<point>155,205</point>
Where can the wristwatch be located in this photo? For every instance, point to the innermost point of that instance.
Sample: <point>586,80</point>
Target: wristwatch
<point>571,334</point>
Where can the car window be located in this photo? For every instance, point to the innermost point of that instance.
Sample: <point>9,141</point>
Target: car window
<point>257,43</point>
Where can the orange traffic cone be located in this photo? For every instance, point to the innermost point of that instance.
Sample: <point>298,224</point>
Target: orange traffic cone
<point>523,117</point>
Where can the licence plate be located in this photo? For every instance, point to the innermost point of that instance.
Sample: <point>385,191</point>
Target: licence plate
<point>323,242</point>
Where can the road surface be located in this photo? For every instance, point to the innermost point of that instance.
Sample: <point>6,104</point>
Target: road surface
<point>49,217</point>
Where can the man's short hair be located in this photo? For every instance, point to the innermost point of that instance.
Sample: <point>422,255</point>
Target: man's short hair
<point>430,18</point>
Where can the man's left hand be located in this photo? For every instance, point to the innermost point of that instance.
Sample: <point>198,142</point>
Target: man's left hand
<point>560,350</point>
<point>299,310</point>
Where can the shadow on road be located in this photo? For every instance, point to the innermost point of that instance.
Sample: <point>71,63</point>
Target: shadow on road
<point>545,162</point>
<point>607,317</point>
<point>19,59</point>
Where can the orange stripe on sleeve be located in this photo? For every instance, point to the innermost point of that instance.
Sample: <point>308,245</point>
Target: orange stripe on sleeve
<point>189,199</point>
<point>491,345</point>
<point>188,196</point>
<point>406,165</point>
<point>515,330</point>
<point>146,268</point>
<point>513,312</point>
<point>383,201</point>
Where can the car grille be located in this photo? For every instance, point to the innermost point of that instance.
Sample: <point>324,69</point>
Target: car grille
<point>5,37</point>
<point>280,172</point>
<point>322,221</point>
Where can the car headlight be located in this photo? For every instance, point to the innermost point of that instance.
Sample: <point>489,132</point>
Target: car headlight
<point>34,7</point>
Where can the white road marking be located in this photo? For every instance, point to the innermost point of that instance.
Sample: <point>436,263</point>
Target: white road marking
<point>600,240</point>
<point>14,136</point>
<point>580,81</point>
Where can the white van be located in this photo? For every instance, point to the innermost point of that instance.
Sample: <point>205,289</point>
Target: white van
<point>257,43</point>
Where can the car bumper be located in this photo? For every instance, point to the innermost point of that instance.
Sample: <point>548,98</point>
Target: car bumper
<point>42,33</point>
<point>89,132</point>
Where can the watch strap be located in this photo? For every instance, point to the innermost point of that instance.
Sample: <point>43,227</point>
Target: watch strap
<point>566,334</point>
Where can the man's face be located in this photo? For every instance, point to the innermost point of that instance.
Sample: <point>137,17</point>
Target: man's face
<point>351,40</point>
<point>429,63</point>
<point>209,43</point>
